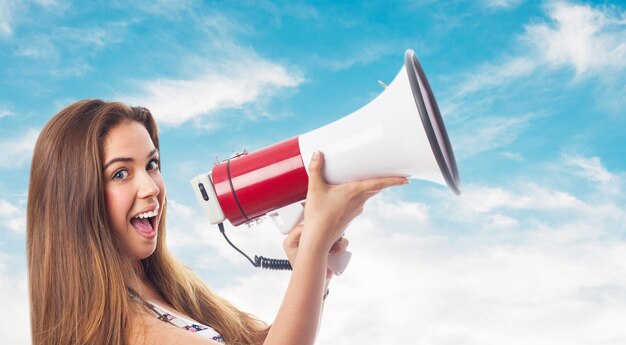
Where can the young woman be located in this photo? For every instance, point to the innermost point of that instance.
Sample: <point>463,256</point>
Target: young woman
<point>99,268</point>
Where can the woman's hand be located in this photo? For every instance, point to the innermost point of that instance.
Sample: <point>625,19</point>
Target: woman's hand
<point>330,208</point>
<point>327,212</point>
<point>292,241</point>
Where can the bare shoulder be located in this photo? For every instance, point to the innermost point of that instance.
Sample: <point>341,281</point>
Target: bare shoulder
<point>147,329</point>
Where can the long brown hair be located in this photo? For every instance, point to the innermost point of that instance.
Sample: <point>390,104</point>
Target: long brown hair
<point>78,274</point>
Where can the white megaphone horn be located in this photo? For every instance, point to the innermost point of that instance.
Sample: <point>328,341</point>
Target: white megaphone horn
<point>399,133</point>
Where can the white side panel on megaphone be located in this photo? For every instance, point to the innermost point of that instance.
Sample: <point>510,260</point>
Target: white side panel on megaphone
<point>383,138</point>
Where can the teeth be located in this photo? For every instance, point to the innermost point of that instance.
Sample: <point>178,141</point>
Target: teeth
<point>147,214</point>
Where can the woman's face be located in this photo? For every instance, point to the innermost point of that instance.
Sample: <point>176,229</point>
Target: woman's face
<point>133,187</point>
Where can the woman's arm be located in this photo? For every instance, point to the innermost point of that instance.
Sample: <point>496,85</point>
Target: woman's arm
<point>328,211</point>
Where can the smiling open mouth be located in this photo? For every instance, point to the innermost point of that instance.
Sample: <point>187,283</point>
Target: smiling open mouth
<point>143,225</point>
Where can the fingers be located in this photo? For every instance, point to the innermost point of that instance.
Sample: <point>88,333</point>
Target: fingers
<point>339,246</point>
<point>375,185</point>
<point>293,237</point>
<point>365,189</point>
<point>315,170</point>
<point>296,230</point>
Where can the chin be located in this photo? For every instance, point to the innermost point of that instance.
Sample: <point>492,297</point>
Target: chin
<point>143,254</point>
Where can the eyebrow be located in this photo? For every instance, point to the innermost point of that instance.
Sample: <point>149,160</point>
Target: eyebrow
<point>125,159</point>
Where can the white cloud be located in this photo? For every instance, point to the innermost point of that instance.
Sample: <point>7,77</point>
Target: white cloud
<point>502,221</point>
<point>224,84</point>
<point>13,12</point>
<point>590,168</point>
<point>514,156</point>
<point>488,133</point>
<point>52,45</point>
<point>405,211</point>
<point>473,293</point>
<point>360,56</point>
<point>38,47</point>
<point>16,152</point>
<point>490,75</point>
<point>53,4</point>
<point>96,36</point>
<point>12,217</point>
<point>14,320</point>
<point>539,286</point>
<point>480,200</point>
<point>593,172</point>
<point>6,18</point>
<point>501,4</point>
<point>160,7</point>
<point>480,204</point>
<point>592,40</point>
<point>5,112</point>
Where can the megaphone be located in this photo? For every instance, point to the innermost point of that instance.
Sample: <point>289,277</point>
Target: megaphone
<point>399,133</point>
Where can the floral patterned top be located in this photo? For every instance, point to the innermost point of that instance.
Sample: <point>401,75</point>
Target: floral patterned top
<point>166,315</point>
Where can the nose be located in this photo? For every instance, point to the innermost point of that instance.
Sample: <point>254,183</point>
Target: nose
<point>147,186</point>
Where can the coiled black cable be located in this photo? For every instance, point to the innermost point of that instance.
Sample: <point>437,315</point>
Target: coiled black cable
<point>260,261</point>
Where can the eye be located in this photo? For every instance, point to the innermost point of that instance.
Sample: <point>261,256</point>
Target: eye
<point>120,175</point>
<point>153,164</point>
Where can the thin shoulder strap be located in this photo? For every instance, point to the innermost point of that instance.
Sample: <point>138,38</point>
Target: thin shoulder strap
<point>163,316</point>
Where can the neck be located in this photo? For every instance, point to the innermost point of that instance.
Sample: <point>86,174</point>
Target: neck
<point>135,276</point>
<point>141,284</point>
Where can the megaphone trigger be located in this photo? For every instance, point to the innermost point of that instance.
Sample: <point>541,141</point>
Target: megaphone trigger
<point>286,218</point>
<point>339,261</point>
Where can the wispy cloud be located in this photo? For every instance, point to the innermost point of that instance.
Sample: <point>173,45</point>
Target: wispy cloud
<point>592,171</point>
<point>485,200</point>
<point>158,7</point>
<point>358,57</point>
<point>490,75</point>
<point>590,168</point>
<point>221,84</point>
<point>52,41</point>
<point>455,291</point>
<point>5,112</point>
<point>15,321</point>
<point>12,217</point>
<point>489,133</point>
<point>61,41</point>
<point>15,152</point>
<point>54,4</point>
<point>14,12</point>
<point>589,40</point>
<point>6,17</point>
<point>590,202</point>
<point>37,47</point>
<point>501,4</point>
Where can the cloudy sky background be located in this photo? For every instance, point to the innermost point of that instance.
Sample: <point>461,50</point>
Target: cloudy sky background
<point>533,95</point>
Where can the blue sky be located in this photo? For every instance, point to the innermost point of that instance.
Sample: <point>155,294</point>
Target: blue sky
<point>534,98</point>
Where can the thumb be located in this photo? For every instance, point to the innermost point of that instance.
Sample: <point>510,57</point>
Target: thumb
<point>315,169</point>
